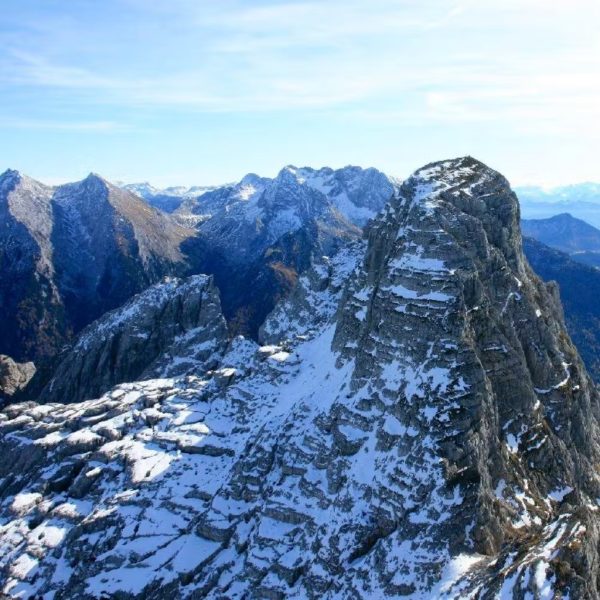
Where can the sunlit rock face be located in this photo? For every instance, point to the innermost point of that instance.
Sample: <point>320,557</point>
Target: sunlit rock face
<point>417,423</point>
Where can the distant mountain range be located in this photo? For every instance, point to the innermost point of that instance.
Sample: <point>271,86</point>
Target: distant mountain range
<point>166,199</point>
<point>355,192</point>
<point>581,200</point>
<point>578,239</point>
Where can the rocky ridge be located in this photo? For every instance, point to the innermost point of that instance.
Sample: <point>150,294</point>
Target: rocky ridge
<point>172,328</point>
<point>356,193</point>
<point>419,424</point>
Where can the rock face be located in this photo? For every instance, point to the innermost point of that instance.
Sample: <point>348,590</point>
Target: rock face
<point>419,425</point>
<point>13,376</point>
<point>579,287</point>
<point>172,328</point>
<point>33,322</point>
<point>68,254</point>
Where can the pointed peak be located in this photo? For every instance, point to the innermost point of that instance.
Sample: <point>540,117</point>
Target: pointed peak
<point>95,182</point>
<point>10,175</point>
<point>95,177</point>
<point>250,179</point>
<point>9,179</point>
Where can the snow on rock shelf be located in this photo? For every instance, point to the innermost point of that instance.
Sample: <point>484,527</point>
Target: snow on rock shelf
<point>386,440</point>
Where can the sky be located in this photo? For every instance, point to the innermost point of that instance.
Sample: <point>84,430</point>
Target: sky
<point>183,92</point>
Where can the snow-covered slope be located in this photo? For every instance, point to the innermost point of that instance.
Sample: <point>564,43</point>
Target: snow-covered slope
<point>417,424</point>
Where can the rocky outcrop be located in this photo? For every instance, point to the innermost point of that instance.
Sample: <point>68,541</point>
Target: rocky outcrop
<point>496,408</point>
<point>13,376</point>
<point>425,429</point>
<point>172,328</point>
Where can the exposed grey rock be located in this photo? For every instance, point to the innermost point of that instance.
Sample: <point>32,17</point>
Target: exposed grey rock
<point>172,328</point>
<point>432,433</point>
<point>14,376</point>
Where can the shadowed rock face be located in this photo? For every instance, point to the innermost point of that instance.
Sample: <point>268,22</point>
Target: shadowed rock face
<point>33,323</point>
<point>579,287</point>
<point>420,425</point>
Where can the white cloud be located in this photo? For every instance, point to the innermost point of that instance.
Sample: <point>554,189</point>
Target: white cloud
<point>63,125</point>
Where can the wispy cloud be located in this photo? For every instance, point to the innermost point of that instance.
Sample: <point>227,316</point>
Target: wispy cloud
<point>296,55</point>
<point>64,125</point>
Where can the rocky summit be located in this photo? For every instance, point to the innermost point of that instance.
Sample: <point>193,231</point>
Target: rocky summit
<point>415,422</point>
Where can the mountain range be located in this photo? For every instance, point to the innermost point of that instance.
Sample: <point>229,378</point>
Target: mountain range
<point>581,200</point>
<point>411,420</point>
<point>73,252</point>
<point>70,253</point>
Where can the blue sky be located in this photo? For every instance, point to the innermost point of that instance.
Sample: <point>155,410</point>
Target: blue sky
<point>202,92</point>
